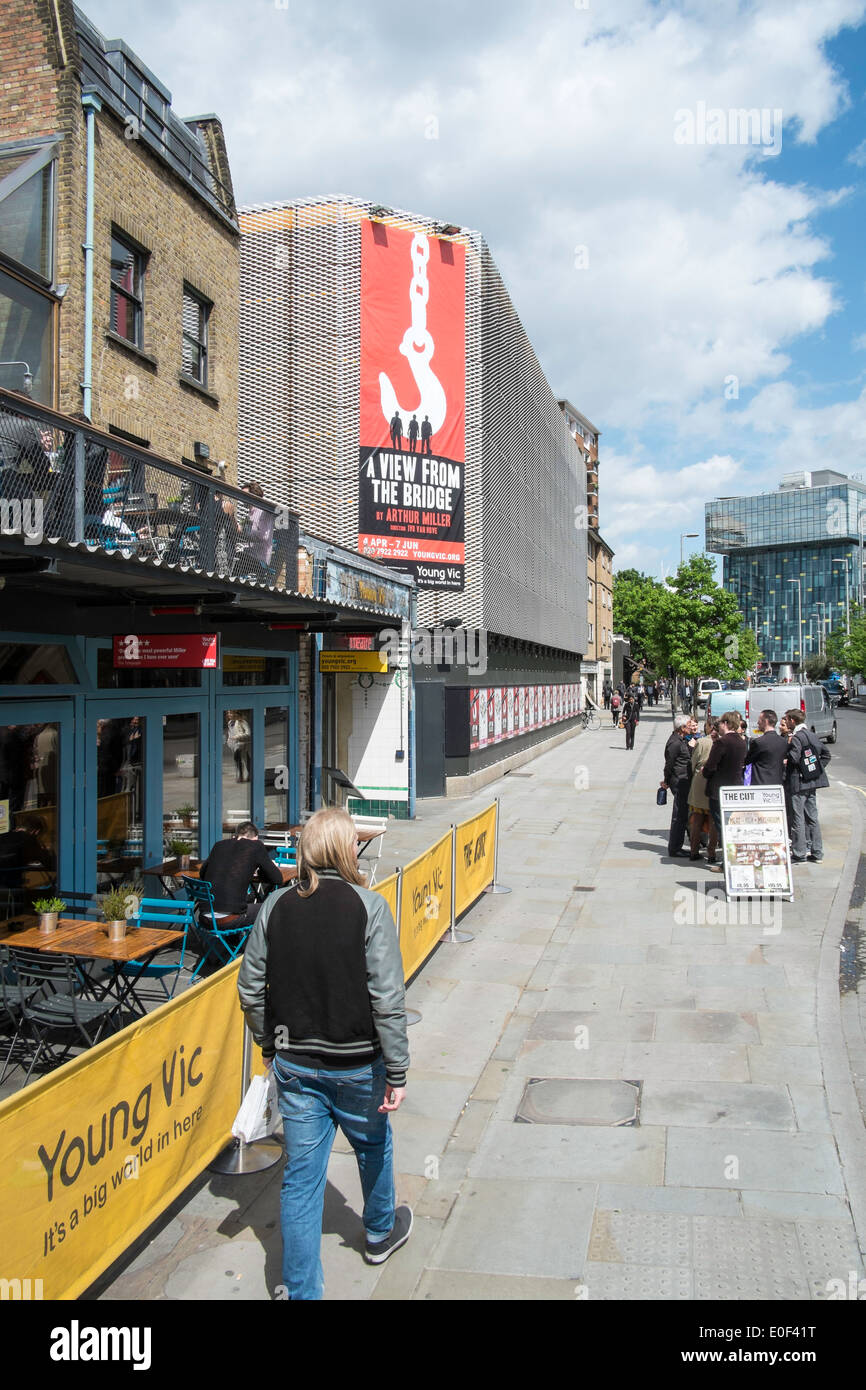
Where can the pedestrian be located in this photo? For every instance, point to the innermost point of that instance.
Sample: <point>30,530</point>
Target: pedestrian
<point>766,752</point>
<point>676,778</point>
<point>630,718</point>
<point>321,985</point>
<point>605,694</point>
<point>805,775</point>
<point>615,706</point>
<point>687,698</point>
<point>700,821</point>
<point>724,766</point>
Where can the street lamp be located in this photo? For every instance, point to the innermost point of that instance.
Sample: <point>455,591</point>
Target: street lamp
<point>844,562</point>
<point>687,536</point>
<point>861,527</point>
<point>822,642</point>
<point>800,620</point>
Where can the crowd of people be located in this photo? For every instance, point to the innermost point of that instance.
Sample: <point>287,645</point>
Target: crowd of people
<point>697,768</point>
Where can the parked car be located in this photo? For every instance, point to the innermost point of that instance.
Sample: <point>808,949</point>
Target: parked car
<point>705,688</point>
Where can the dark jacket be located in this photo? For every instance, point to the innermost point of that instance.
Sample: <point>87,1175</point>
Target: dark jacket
<point>230,867</point>
<point>322,979</point>
<point>630,711</point>
<point>767,754</point>
<point>724,766</point>
<point>678,759</point>
<point>796,783</point>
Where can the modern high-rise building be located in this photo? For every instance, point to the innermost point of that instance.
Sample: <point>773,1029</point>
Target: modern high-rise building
<point>794,558</point>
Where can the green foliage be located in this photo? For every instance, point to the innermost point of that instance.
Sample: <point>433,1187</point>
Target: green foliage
<point>49,905</point>
<point>179,847</point>
<point>115,903</point>
<point>847,650</point>
<point>817,668</point>
<point>638,601</point>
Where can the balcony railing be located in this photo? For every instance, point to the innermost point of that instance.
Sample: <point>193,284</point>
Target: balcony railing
<point>64,483</point>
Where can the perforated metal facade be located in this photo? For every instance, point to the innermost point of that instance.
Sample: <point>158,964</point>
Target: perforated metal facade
<point>299,402</point>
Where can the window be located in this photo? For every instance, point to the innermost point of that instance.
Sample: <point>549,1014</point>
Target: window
<point>194,322</point>
<point>27,207</point>
<point>127,279</point>
<point>591,638</point>
<point>26,339</point>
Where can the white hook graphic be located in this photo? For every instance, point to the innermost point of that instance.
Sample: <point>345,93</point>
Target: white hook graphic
<point>418,348</point>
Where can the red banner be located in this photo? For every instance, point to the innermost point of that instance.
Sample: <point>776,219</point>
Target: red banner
<point>189,650</point>
<point>413,404</point>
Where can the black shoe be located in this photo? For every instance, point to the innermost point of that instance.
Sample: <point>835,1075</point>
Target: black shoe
<point>816,858</point>
<point>678,854</point>
<point>795,860</point>
<point>376,1253</point>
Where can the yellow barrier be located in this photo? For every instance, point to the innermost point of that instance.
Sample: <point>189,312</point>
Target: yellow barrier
<point>388,889</point>
<point>475,857</point>
<point>425,904</point>
<point>91,1154</point>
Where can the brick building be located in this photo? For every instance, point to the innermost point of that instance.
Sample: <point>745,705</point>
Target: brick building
<point>596,666</point>
<point>162,370</point>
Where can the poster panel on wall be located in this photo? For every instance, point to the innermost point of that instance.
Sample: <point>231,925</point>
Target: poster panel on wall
<point>473,719</point>
<point>413,404</point>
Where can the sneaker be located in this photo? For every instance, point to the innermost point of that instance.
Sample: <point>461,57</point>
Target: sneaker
<point>796,860</point>
<point>816,858</point>
<point>376,1252</point>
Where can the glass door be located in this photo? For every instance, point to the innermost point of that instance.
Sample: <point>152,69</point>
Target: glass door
<point>36,804</point>
<point>253,755</point>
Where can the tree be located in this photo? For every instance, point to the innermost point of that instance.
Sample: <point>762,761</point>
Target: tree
<point>700,628</point>
<point>817,668</point>
<point>638,601</point>
<point>847,650</point>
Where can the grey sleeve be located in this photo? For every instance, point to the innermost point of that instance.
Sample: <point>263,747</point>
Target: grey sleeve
<point>385,985</point>
<point>252,980</point>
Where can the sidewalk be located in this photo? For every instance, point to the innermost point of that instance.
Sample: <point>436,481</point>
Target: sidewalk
<point>608,972</point>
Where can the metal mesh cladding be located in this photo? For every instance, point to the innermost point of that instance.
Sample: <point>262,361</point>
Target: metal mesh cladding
<point>299,406</point>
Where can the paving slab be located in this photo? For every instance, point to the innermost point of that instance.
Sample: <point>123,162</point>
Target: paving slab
<point>705,1026</point>
<point>771,1062</point>
<point>502,1226</point>
<point>693,1104</point>
<point>510,1150</point>
<point>456,1286</point>
<point>755,1160</point>
<point>670,1061</point>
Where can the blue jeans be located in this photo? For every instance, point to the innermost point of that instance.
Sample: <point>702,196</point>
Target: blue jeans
<point>312,1104</point>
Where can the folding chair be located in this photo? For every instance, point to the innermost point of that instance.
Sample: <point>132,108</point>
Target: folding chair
<point>10,1008</point>
<point>224,944</point>
<point>171,914</point>
<point>49,1002</point>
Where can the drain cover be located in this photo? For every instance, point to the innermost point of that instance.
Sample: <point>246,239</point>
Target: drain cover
<point>568,1101</point>
<point>580,888</point>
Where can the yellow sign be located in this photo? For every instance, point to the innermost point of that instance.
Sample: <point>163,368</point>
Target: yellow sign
<point>91,1154</point>
<point>234,662</point>
<point>354,661</point>
<point>476,841</point>
<point>425,905</point>
<point>388,889</point>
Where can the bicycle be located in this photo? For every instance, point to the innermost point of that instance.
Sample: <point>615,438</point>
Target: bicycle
<point>589,719</point>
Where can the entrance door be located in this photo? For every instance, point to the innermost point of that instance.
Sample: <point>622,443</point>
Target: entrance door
<point>430,738</point>
<point>254,738</point>
<point>146,786</point>
<point>36,802</point>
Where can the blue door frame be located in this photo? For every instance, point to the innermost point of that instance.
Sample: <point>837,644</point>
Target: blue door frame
<point>61,712</point>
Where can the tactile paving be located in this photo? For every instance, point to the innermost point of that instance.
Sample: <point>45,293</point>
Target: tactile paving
<point>829,1250</point>
<point>640,1238</point>
<point>633,1282</point>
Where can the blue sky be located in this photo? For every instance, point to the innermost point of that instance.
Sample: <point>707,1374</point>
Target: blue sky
<point>555,124</point>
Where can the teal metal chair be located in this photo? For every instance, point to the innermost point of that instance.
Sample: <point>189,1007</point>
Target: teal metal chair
<point>222,944</point>
<point>172,914</point>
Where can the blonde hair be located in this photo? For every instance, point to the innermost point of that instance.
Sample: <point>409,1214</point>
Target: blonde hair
<point>327,841</point>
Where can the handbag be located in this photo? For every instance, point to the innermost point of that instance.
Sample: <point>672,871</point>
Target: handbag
<point>259,1114</point>
<point>662,796</point>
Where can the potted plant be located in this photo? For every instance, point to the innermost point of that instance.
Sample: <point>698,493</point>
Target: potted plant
<point>113,907</point>
<point>181,850</point>
<point>185,813</point>
<point>49,910</point>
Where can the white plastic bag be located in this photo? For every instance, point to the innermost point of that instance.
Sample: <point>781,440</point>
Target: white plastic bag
<point>259,1114</point>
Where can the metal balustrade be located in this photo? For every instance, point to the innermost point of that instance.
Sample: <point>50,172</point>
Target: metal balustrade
<point>64,483</point>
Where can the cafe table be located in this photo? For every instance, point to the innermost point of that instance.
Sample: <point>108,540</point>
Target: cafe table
<point>88,941</point>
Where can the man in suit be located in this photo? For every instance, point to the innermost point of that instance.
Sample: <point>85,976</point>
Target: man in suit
<point>767,752</point>
<point>805,775</point>
<point>677,777</point>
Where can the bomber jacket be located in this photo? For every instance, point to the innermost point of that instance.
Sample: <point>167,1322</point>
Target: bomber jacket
<point>322,979</point>
<point>798,785</point>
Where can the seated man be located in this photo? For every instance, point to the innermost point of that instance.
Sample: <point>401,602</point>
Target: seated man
<point>230,868</point>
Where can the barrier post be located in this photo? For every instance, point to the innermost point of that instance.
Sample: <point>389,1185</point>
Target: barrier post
<point>456,936</point>
<point>412,1015</point>
<point>239,1157</point>
<point>496,886</point>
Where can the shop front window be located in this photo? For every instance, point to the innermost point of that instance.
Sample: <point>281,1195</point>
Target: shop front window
<point>119,799</point>
<point>29,782</point>
<point>180,783</point>
<point>236,764</point>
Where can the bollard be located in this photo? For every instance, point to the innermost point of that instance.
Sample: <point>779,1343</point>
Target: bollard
<point>456,936</point>
<point>238,1157</point>
<point>496,887</point>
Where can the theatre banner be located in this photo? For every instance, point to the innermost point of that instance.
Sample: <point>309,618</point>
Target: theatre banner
<point>413,404</point>
<point>499,713</point>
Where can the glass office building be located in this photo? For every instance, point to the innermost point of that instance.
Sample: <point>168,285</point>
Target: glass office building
<point>794,558</point>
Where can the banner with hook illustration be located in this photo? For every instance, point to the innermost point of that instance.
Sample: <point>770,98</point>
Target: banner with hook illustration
<point>413,404</point>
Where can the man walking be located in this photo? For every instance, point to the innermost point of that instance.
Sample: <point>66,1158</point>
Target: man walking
<point>766,753</point>
<point>805,775</point>
<point>615,706</point>
<point>677,778</point>
<point>630,718</point>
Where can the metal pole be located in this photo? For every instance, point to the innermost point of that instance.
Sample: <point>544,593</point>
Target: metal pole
<point>412,1015</point>
<point>496,886</point>
<point>239,1157</point>
<point>456,936</point>
<point>91,103</point>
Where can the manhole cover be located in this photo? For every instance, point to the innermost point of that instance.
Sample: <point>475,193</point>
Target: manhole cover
<point>569,1101</point>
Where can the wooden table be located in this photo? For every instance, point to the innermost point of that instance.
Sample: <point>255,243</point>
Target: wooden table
<point>89,941</point>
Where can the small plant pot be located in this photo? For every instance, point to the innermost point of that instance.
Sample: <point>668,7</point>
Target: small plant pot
<point>48,922</point>
<point>184,861</point>
<point>116,930</point>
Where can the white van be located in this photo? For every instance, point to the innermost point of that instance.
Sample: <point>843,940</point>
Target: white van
<point>706,688</point>
<point>812,700</point>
